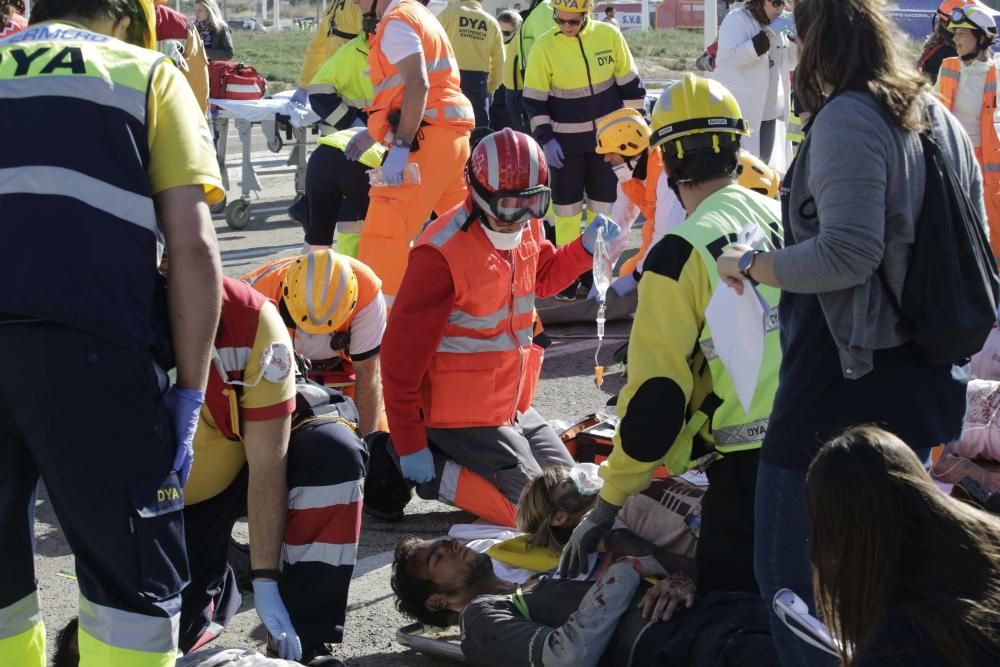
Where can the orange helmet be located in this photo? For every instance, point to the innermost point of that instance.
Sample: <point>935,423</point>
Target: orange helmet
<point>944,10</point>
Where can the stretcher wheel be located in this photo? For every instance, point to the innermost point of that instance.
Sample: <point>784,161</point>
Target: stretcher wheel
<point>275,143</point>
<point>238,214</point>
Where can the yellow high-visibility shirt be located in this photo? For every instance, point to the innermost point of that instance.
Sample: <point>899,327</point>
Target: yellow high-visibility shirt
<point>340,24</point>
<point>475,37</point>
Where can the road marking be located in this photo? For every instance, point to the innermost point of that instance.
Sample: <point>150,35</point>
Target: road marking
<point>251,253</point>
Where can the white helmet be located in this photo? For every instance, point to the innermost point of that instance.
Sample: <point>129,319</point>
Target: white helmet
<point>974,18</point>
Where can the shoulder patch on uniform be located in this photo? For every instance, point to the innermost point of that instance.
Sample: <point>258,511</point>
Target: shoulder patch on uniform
<point>277,362</point>
<point>669,256</point>
<point>653,419</point>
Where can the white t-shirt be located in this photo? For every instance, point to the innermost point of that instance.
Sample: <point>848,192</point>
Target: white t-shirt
<point>399,40</point>
<point>969,99</point>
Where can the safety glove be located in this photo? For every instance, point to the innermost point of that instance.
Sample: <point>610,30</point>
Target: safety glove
<point>585,538</point>
<point>300,97</point>
<point>357,146</point>
<point>273,614</point>
<point>553,154</point>
<point>418,467</point>
<point>395,163</point>
<point>184,405</point>
<point>609,228</point>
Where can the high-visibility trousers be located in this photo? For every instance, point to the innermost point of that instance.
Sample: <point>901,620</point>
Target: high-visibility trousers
<point>326,468</point>
<point>396,215</point>
<point>105,455</point>
<point>991,199</point>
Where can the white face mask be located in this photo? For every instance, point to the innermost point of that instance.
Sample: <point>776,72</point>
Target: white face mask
<point>313,346</point>
<point>623,172</point>
<point>503,241</point>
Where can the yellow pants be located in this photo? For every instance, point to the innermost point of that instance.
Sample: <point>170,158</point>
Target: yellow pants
<point>396,215</point>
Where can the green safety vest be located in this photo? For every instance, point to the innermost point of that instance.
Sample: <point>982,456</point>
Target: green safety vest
<point>370,158</point>
<point>712,227</point>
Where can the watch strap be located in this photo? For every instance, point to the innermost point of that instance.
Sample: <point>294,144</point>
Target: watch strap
<point>266,574</point>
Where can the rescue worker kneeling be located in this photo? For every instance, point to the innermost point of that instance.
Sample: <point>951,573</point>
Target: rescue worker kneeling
<point>299,461</point>
<point>680,406</point>
<point>335,308</point>
<point>460,365</point>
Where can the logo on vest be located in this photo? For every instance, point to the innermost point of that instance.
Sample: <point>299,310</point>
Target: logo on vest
<point>472,28</point>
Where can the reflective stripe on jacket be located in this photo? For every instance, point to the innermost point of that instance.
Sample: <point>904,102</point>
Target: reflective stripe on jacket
<point>446,105</point>
<point>573,81</point>
<point>341,87</point>
<point>485,365</point>
<point>949,77</point>
<point>91,194</point>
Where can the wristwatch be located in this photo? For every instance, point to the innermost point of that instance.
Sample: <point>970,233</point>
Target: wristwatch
<point>746,263</point>
<point>399,142</point>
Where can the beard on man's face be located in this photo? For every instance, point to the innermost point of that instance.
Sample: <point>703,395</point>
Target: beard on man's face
<point>480,568</point>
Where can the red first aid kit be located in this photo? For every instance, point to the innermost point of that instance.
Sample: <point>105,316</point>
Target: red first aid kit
<point>230,80</point>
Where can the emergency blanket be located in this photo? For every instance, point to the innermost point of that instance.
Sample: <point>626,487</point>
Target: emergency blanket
<point>267,108</point>
<point>231,657</point>
<point>981,433</point>
<point>986,363</point>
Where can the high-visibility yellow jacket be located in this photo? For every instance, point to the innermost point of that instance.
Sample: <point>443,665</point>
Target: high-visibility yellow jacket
<point>537,22</point>
<point>513,79</point>
<point>680,406</point>
<point>341,88</point>
<point>573,81</point>
<point>341,23</point>
<point>475,37</point>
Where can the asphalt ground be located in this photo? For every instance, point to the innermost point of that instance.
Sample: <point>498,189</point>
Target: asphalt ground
<point>566,392</point>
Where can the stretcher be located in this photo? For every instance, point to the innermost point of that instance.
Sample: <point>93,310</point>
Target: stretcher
<point>265,113</point>
<point>431,641</point>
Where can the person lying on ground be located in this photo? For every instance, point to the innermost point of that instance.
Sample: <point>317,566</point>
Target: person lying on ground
<point>903,574</point>
<point>554,622</point>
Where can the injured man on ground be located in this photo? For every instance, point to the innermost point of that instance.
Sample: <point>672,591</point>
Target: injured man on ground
<point>637,606</point>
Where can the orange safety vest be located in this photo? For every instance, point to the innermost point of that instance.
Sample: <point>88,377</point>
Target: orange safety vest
<point>988,153</point>
<point>643,194</point>
<point>446,105</point>
<point>486,365</point>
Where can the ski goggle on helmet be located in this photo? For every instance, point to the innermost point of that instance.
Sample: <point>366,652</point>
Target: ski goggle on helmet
<point>508,177</point>
<point>973,18</point>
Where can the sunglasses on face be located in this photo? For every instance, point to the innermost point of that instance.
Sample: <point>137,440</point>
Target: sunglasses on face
<point>777,3</point>
<point>573,22</point>
<point>507,34</point>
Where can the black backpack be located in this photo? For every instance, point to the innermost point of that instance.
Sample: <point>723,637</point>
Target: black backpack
<point>951,289</point>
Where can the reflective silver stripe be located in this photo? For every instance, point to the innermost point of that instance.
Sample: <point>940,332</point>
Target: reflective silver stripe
<point>339,112</point>
<point>125,629</point>
<point>492,162</point>
<point>388,82</point>
<point>535,94</point>
<point>991,87</point>
<point>539,120</point>
<point>533,161</point>
<point>524,304</point>
<point>991,167</point>
<point>524,336</point>
<point>741,433</point>
<point>86,88</point>
<point>460,318</point>
<point>708,345</point>
<point>448,488</point>
<point>950,73</point>
<point>638,104</point>
<point>320,552</point>
<point>582,92</point>
<point>352,227</point>
<point>20,616</point>
<point>628,78</point>
<point>271,269</point>
<point>466,345</point>
<point>314,497</point>
<point>441,64</point>
<point>566,210</point>
<point>570,128</point>
<point>57,181</point>
<point>234,358</point>
<point>322,89</point>
<point>454,112</point>
<point>458,221</point>
<point>310,285</point>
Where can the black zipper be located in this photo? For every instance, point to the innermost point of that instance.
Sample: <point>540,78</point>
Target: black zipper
<point>590,83</point>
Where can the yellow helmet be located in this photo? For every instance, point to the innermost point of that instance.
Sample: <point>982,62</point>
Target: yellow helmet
<point>757,176</point>
<point>623,131</point>
<point>692,113</point>
<point>577,6</point>
<point>143,33</point>
<point>320,291</point>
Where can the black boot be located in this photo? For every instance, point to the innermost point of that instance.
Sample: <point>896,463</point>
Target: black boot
<point>386,491</point>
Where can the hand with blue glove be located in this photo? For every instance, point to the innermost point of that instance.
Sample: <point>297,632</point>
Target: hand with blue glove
<point>608,227</point>
<point>585,538</point>
<point>357,146</point>
<point>625,285</point>
<point>273,614</point>
<point>553,154</point>
<point>184,405</point>
<point>395,163</point>
<point>418,467</point>
<point>300,97</point>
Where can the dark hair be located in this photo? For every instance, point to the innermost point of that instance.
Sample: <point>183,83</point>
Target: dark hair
<point>53,10</point>
<point>701,163</point>
<point>67,653</point>
<point>511,17</point>
<point>849,45</point>
<point>756,9</point>
<point>886,540</point>
<point>411,591</point>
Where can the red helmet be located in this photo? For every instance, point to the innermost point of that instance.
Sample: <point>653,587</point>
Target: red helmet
<point>508,177</point>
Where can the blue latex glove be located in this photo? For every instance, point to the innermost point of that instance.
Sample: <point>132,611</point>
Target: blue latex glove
<point>553,154</point>
<point>357,146</point>
<point>625,285</point>
<point>392,168</point>
<point>300,97</point>
<point>184,405</point>
<point>418,467</point>
<point>275,618</point>
<point>609,227</point>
